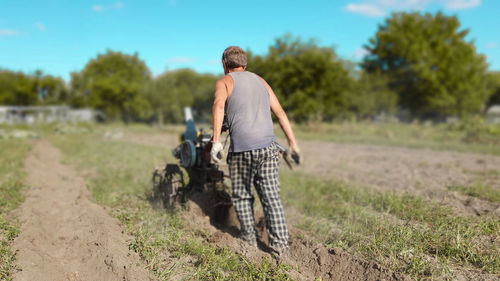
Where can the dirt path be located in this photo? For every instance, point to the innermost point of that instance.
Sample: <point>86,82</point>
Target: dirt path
<point>65,236</point>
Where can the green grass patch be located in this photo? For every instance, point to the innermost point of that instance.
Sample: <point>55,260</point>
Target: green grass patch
<point>484,192</point>
<point>119,175</point>
<point>135,128</point>
<point>11,187</point>
<point>401,231</point>
<point>473,136</point>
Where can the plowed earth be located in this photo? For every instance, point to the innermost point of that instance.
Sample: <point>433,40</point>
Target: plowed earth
<point>65,236</point>
<point>308,260</point>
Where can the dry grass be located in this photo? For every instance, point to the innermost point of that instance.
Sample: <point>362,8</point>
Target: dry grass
<point>11,186</point>
<point>400,231</point>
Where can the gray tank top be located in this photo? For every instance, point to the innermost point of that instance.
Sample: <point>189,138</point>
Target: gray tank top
<point>248,113</point>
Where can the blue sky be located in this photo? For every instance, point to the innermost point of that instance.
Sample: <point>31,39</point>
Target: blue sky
<point>60,36</point>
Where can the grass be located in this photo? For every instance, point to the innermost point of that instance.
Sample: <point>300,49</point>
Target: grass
<point>474,136</point>
<point>11,187</point>
<point>401,231</point>
<point>118,175</point>
<point>481,191</point>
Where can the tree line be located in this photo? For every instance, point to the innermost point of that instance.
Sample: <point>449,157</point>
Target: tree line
<point>420,64</point>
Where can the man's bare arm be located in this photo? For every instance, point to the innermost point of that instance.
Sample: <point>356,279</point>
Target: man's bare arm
<point>282,118</point>
<point>221,96</point>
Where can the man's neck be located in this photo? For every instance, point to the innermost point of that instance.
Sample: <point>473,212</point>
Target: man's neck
<point>238,69</point>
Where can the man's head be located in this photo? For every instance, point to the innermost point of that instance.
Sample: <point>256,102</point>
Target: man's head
<point>233,57</point>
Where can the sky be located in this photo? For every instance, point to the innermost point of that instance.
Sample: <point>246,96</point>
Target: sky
<point>61,36</point>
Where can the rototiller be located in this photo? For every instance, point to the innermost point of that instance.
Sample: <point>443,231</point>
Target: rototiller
<point>194,156</point>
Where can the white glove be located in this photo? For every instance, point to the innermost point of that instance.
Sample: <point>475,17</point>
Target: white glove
<point>217,152</point>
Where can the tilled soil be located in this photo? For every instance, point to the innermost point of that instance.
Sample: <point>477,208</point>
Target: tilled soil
<point>65,236</point>
<point>308,260</point>
<point>423,172</point>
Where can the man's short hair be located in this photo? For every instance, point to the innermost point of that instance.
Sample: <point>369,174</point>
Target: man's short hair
<point>234,57</point>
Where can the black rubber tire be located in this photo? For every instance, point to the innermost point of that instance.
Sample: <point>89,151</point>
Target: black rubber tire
<point>172,186</point>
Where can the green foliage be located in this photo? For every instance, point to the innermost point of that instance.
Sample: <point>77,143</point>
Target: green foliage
<point>372,96</point>
<point>169,93</point>
<point>50,90</point>
<point>310,81</point>
<point>430,64</point>
<point>17,88</point>
<point>113,83</point>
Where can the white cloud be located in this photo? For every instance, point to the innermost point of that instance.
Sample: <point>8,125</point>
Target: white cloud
<point>365,9</point>
<point>461,4</point>
<point>214,62</point>
<point>40,26</point>
<point>492,45</point>
<point>379,8</point>
<point>101,8</point>
<point>180,60</point>
<point>98,8</point>
<point>8,32</point>
<point>360,53</point>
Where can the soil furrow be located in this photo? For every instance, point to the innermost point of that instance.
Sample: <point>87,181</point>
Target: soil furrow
<point>64,235</point>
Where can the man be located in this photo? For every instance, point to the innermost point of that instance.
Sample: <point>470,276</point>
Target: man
<point>247,100</point>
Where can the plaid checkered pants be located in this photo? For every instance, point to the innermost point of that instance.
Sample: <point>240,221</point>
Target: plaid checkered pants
<point>260,168</point>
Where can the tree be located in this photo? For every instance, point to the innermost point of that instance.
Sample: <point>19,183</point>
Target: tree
<point>309,81</point>
<point>49,89</point>
<point>494,86</point>
<point>172,91</point>
<point>17,88</point>
<point>113,83</point>
<point>372,96</point>
<point>429,63</point>
<point>79,91</point>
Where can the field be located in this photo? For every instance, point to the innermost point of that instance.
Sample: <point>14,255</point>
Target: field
<point>369,202</point>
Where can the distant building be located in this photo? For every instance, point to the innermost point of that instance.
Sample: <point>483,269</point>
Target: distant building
<point>45,114</point>
<point>493,114</point>
<point>82,115</point>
